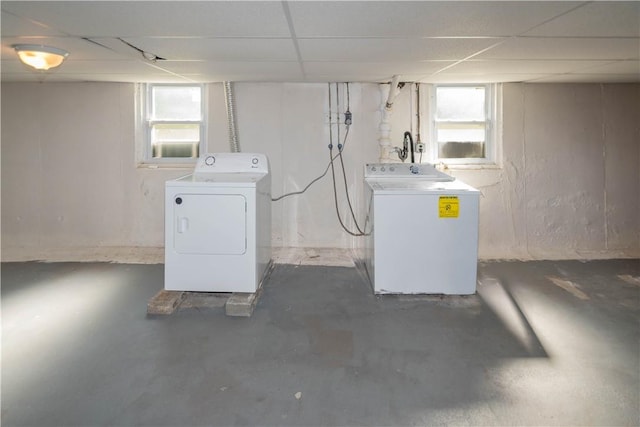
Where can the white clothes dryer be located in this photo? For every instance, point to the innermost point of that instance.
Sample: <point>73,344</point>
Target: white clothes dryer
<point>218,225</point>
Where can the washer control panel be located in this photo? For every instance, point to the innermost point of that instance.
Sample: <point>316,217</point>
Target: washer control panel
<point>405,170</point>
<point>232,163</point>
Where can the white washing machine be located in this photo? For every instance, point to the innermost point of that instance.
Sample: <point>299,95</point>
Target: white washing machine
<point>424,238</point>
<point>218,225</point>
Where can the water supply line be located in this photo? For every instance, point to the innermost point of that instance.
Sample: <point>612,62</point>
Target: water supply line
<point>385,125</point>
<point>231,117</point>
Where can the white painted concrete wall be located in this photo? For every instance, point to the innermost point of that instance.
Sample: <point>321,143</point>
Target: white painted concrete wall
<point>568,185</point>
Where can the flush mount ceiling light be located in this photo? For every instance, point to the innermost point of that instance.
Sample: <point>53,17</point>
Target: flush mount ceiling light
<point>40,57</point>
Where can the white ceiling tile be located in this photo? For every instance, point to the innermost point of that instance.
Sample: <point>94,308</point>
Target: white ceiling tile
<point>226,49</point>
<point>564,48</point>
<point>346,77</point>
<point>106,67</point>
<point>367,69</point>
<point>33,77</point>
<point>383,50</point>
<point>197,67</point>
<point>618,67</point>
<point>157,18</point>
<point>241,69</point>
<point>255,76</point>
<point>14,26</point>
<point>596,19</point>
<point>128,78</point>
<point>589,78</point>
<point>419,18</point>
<point>520,67</point>
<point>480,78</point>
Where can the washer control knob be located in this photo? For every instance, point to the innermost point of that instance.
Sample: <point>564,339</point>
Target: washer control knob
<point>414,169</point>
<point>254,160</point>
<point>373,168</point>
<point>392,169</point>
<point>209,161</point>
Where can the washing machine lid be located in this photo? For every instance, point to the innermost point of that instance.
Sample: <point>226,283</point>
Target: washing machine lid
<point>218,180</point>
<point>418,186</point>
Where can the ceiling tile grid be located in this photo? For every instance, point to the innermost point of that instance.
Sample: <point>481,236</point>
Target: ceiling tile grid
<point>430,41</point>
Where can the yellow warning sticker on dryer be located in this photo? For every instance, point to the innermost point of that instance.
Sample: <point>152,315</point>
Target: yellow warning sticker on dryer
<point>448,207</point>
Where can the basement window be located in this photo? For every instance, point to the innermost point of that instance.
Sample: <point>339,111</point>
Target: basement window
<point>173,122</point>
<point>463,124</point>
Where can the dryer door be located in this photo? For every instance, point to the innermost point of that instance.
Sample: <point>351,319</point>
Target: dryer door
<point>210,224</point>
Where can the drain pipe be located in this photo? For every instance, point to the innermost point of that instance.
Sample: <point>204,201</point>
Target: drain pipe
<point>385,125</point>
<point>231,117</point>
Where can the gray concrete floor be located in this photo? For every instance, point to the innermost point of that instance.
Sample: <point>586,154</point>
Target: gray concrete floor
<point>542,343</point>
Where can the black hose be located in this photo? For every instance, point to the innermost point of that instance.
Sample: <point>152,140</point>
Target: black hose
<point>408,134</point>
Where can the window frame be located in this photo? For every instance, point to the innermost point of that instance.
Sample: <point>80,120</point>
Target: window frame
<point>145,122</point>
<point>492,109</point>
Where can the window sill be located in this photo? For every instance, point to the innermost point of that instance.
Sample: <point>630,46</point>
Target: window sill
<point>186,166</point>
<point>468,166</point>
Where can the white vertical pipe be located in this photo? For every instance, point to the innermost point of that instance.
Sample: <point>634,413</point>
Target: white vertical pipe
<point>385,125</point>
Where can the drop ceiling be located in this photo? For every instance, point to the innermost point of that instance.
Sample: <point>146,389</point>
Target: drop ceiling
<point>320,41</point>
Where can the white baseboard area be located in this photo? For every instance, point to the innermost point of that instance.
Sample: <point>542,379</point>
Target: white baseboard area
<point>335,257</point>
<point>120,255</point>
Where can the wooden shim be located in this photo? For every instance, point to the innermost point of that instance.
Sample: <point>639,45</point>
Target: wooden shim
<point>242,304</point>
<point>204,300</point>
<point>165,302</point>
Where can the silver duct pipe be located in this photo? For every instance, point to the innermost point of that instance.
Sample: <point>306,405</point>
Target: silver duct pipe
<point>231,117</point>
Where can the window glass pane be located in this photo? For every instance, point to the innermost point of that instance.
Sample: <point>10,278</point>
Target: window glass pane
<point>460,132</point>
<point>460,103</point>
<point>460,140</point>
<point>176,103</point>
<point>460,150</point>
<point>175,140</point>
